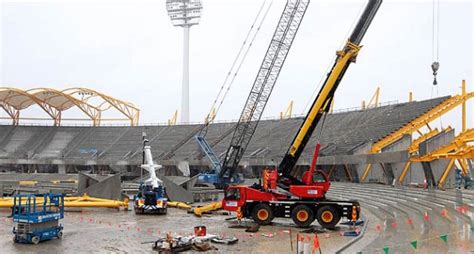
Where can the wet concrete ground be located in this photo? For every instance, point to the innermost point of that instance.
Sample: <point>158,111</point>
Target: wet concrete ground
<point>401,215</point>
<point>395,218</point>
<point>111,231</point>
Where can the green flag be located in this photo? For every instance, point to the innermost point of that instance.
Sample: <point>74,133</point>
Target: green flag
<point>385,250</point>
<point>444,238</point>
<point>360,252</point>
<point>472,229</point>
<point>414,244</point>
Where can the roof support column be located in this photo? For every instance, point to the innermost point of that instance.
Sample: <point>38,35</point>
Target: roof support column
<point>12,112</point>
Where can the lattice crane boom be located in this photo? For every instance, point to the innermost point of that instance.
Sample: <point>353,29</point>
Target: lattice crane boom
<point>267,76</point>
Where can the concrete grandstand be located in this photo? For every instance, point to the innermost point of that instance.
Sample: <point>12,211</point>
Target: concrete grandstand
<point>346,139</point>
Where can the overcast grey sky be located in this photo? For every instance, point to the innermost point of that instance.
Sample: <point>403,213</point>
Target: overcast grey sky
<point>130,50</point>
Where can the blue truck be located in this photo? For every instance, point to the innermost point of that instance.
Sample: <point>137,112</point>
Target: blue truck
<point>36,217</point>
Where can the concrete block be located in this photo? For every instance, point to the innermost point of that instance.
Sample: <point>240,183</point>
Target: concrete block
<point>388,173</point>
<point>85,181</point>
<point>363,149</point>
<point>434,169</point>
<point>415,174</point>
<point>436,142</point>
<point>62,169</point>
<point>109,188</point>
<point>354,173</point>
<point>183,166</point>
<point>399,145</point>
<point>397,169</point>
<point>438,167</point>
<point>176,192</point>
<point>430,179</point>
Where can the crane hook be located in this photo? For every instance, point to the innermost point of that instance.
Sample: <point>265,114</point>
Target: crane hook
<point>435,67</point>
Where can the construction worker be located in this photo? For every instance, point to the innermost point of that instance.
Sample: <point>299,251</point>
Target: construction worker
<point>458,178</point>
<point>239,213</point>
<point>467,181</point>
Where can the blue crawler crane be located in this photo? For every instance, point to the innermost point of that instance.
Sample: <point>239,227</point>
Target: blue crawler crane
<point>36,217</point>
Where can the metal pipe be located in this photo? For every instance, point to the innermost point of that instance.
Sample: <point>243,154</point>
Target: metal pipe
<point>445,173</point>
<point>207,208</point>
<point>402,176</point>
<point>366,172</point>
<point>83,201</point>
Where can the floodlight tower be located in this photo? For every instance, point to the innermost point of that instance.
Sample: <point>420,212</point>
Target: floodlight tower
<point>184,13</point>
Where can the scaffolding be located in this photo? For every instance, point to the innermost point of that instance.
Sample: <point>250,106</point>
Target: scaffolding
<point>422,121</point>
<point>460,149</point>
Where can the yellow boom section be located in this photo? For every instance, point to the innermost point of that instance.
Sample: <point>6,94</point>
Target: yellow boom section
<point>84,201</point>
<point>207,208</point>
<point>318,106</point>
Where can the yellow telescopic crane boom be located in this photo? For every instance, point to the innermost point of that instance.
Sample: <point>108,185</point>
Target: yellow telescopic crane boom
<point>323,100</point>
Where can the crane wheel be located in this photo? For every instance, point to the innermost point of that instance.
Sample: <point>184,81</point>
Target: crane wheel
<point>302,216</point>
<point>262,214</point>
<point>328,216</point>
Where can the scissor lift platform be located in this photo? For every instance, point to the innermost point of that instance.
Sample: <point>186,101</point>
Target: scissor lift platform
<point>36,217</point>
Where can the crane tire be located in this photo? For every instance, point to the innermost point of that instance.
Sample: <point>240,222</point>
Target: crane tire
<point>302,216</point>
<point>262,214</point>
<point>328,216</point>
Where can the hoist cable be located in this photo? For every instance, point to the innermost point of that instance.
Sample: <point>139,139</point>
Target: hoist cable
<point>435,50</point>
<point>245,55</point>
<point>238,56</point>
<point>437,34</point>
<point>435,41</point>
<point>435,31</point>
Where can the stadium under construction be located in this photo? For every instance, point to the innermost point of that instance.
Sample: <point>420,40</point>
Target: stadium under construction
<point>380,178</point>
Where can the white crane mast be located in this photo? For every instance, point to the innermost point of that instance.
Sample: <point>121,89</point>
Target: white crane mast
<point>149,166</point>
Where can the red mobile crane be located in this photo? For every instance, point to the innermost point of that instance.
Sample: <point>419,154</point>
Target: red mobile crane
<point>303,200</point>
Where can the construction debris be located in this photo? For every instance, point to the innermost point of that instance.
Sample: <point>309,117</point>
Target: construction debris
<point>350,223</point>
<point>174,244</point>
<point>199,211</point>
<point>253,228</point>
<point>180,205</point>
<point>355,232</point>
<point>222,240</point>
<point>203,246</point>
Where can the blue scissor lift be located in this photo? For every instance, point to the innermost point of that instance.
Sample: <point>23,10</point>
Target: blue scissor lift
<point>36,217</point>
